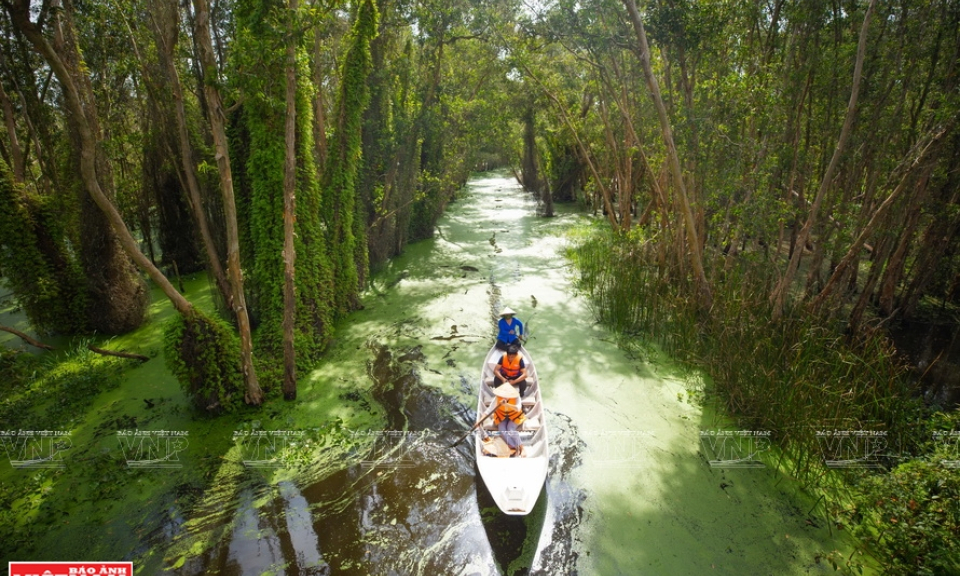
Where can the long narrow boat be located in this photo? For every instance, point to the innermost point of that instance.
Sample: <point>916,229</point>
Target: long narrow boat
<point>514,483</point>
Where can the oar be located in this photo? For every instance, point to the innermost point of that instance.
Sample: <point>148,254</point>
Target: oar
<point>526,329</point>
<point>485,416</point>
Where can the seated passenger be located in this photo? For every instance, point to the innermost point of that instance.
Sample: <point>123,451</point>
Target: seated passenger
<point>511,370</point>
<point>509,417</point>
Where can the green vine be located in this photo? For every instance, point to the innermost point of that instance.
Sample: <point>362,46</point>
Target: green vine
<point>258,138</point>
<point>204,354</point>
<point>43,274</point>
<point>347,226</point>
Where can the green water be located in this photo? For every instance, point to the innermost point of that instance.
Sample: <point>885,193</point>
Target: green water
<point>372,487</point>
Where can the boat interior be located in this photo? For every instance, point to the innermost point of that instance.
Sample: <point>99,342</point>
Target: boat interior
<point>531,431</point>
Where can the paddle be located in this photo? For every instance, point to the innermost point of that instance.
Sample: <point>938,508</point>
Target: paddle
<point>479,420</point>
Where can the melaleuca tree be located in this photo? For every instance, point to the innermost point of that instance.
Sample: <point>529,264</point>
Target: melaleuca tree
<point>345,217</point>
<point>63,56</point>
<point>117,295</point>
<point>258,63</point>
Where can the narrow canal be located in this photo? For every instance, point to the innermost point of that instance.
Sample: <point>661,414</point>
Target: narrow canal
<point>629,490</point>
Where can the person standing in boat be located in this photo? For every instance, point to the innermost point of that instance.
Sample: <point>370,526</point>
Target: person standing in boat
<point>512,370</point>
<point>510,329</point>
<point>509,417</point>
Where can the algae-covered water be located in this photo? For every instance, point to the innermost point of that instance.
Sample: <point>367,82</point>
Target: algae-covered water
<point>357,477</point>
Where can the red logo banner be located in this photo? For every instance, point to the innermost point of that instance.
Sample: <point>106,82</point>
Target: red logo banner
<point>71,568</point>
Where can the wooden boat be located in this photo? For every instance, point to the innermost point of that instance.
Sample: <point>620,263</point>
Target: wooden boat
<point>514,483</point>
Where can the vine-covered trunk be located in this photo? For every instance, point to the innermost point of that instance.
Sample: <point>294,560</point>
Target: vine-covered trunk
<point>237,300</point>
<point>118,297</point>
<point>37,262</point>
<point>289,211</point>
<point>346,221</point>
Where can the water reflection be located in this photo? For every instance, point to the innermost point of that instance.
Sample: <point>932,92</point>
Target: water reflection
<point>514,540</point>
<point>406,503</point>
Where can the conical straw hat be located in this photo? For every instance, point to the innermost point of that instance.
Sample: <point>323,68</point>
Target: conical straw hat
<point>507,391</point>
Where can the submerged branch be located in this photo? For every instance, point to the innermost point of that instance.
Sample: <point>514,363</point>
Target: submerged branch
<point>27,339</point>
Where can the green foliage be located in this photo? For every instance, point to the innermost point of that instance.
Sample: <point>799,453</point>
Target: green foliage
<point>51,393</point>
<point>42,272</point>
<point>259,51</point>
<point>795,377</point>
<point>204,354</point>
<point>258,144</point>
<point>346,220</point>
<point>314,275</point>
<point>792,377</point>
<point>912,515</point>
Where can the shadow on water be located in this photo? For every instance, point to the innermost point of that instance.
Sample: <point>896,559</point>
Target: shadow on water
<point>514,540</point>
<point>403,502</point>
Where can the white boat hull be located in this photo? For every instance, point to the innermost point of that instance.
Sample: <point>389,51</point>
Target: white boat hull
<point>514,483</point>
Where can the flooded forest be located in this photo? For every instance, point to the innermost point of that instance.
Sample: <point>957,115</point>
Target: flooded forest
<point>254,253</point>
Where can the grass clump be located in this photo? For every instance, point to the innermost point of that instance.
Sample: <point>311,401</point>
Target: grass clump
<point>48,393</point>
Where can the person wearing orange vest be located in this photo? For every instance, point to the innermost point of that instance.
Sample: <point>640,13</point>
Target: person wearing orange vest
<point>509,416</point>
<point>511,369</point>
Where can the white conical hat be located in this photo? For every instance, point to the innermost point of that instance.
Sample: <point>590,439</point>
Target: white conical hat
<point>507,312</point>
<point>507,391</point>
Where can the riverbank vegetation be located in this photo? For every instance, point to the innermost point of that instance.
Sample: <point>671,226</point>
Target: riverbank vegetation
<point>774,206</point>
<point>284,148</point>
<point>803,380</point>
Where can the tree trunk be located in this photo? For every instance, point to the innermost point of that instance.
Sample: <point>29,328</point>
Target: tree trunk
<point>254,395</point>
<point>16,153</point>
<point>123,295</point>
<point>673,159</point>
<point>289,210</point>
<point>778,296</point>
<point>166,31</point>
<point>871,226</point>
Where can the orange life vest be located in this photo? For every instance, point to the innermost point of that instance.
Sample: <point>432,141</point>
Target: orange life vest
<point>507,408</point>
<point>511,369</point>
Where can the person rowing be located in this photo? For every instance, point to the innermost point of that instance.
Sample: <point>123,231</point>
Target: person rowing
<point>509,417</point>
<point>510,329</point>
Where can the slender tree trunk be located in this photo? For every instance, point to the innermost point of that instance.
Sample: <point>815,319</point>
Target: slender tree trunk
<point>673,158</point>
<point>880,255</point>
<point>871,226</point>
<point>893,271</point>
<point>16,153</point>
<point>584,151</point>
<point>779,293</point>
<point>289,210</point>
<point>254,395</point>
<point>167,31</point>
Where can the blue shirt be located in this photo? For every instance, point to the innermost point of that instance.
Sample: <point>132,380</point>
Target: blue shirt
<point>509,332</point>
